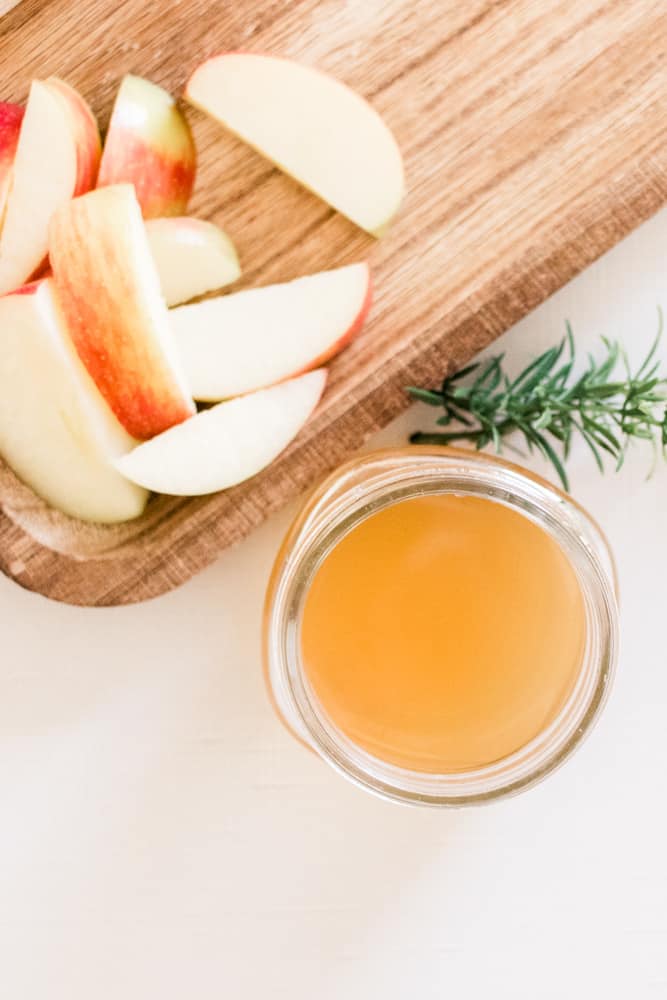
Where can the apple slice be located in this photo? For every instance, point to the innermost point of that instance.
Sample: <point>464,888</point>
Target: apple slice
<point>192,257</point>
<point>245,341</point>
<point>149,144</point>
<point>11,116</point>
<point>227,444</point>
<point>312,126</point>
<point>56,431</point>
<point>84,125</point>
<point>57,157</point>
<point>109,291</point>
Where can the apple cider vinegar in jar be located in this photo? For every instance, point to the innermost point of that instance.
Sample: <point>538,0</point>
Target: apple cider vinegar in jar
<point>469,613</point>
<point>441,626</point>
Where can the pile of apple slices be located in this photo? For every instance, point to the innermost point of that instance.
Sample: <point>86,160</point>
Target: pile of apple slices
<point>100,361</point>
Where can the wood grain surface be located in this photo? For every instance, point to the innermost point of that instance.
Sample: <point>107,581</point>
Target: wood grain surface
<point>534,134</point>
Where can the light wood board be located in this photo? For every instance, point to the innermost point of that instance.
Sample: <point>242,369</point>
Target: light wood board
<point>534,134</point>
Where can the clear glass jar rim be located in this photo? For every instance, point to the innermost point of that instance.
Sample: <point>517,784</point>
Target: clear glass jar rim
<point>376,480</point>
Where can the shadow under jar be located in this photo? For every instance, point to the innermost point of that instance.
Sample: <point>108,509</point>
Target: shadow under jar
<point>441,626</point>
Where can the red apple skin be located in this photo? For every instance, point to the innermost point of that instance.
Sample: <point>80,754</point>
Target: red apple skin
<point>163,185</point>
<point>104,276</point>
<point>29,289</point>
<point>89,144</point>
<point>149,144</point>
<point>11,116</point>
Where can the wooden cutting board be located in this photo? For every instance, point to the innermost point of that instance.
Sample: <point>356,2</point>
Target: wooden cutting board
<point>534,134</point>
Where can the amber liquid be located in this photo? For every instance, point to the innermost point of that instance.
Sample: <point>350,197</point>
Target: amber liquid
<point>443,632</point>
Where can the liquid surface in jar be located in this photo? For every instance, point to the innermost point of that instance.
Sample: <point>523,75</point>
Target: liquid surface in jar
<point>443,632</point>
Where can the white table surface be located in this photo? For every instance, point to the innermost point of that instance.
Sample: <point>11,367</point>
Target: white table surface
<point>162,836</point>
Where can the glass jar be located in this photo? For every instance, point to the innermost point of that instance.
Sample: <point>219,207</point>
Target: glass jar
<point>361,488</point>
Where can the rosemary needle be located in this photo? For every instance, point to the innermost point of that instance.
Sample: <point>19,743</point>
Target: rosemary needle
<point>548,404</point>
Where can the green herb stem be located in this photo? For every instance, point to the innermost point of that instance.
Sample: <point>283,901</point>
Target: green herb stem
<point>548,404</point>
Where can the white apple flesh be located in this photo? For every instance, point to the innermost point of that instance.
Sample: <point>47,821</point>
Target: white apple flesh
<point>56,431</point>
<point>57,157</point>
<point>227,444</point>
<point>251,339</point>
<point>192,257</point>
<point>310,125</point>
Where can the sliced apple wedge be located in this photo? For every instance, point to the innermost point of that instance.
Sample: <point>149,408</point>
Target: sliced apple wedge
<point>251,339</point>
<point>192,257</point>
<point>84,126</point>
<point>56,431</point>
<point>149,144</point>
<point>11,116</point>
<point>109,290</point>
<point>312,126</point>
<point>227,444</point>
<point>57,158</point>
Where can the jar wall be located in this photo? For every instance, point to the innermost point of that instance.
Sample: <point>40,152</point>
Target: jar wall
<point>353,493</point>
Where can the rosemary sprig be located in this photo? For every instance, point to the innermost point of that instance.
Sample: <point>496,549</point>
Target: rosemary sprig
<point>548,404</point>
